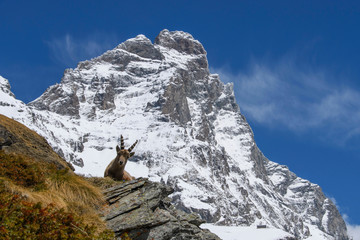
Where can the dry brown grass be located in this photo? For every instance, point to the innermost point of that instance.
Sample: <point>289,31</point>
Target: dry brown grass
<point>61,188</point>
<point>27,142</point>
<point>79,197</point>
<point>102,182</point>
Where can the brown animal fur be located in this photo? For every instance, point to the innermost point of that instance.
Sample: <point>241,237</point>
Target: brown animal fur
<point>115,169</point>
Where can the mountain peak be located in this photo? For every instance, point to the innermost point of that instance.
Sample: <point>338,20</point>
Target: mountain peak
<point>181,41</point>
<point>9,105</point>
<point>5,86</point>
<point>141,46</point>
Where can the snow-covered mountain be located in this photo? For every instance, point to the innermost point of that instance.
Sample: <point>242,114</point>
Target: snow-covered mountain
<point>192,135</point>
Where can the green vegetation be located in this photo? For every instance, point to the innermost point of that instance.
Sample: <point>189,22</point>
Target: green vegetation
<point>20,219</point>
<point>39,201</point>
<point>21,171</point>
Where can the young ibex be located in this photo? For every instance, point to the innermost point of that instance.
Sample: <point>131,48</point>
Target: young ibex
<point>115,169</point>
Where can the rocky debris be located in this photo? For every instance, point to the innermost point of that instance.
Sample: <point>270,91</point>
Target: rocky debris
<point>142,210</point>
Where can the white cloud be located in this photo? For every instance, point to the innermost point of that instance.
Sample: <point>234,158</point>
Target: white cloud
<point>298,98</point>
<point>69,50</point>
<point>353,230</point>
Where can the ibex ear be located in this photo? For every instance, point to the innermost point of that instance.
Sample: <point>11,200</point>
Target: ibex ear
<point>117,148</point>
<point>132,154</point>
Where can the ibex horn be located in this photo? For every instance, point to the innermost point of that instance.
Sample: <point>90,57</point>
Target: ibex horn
<point>122,143</point>
<point>132,146</point>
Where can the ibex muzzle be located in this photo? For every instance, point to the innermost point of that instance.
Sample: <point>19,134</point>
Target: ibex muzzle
<point>115,169</point>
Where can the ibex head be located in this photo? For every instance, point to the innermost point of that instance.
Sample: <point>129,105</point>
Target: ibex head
<point>115,169</point>
<point>124,154</point>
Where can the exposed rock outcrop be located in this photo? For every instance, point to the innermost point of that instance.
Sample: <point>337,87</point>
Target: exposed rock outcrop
<point>142,47</point>
<point>141,210</point>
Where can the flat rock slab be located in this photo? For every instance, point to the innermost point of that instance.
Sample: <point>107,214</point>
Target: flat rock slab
<point>142,210</point>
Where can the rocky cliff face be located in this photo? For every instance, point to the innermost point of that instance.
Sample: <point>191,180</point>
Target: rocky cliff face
<point>192,135</point>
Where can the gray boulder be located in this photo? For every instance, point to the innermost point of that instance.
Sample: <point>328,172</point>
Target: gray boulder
<point>141,210</point>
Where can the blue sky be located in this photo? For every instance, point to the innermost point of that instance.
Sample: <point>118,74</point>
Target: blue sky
<point>294,64</point>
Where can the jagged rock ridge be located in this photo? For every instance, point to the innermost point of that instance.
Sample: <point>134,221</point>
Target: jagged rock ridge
<point>192,135</point>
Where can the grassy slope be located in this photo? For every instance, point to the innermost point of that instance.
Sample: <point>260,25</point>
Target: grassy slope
<point>34,180</point>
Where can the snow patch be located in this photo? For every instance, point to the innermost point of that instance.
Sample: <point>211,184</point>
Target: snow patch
<point>246,233</point>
